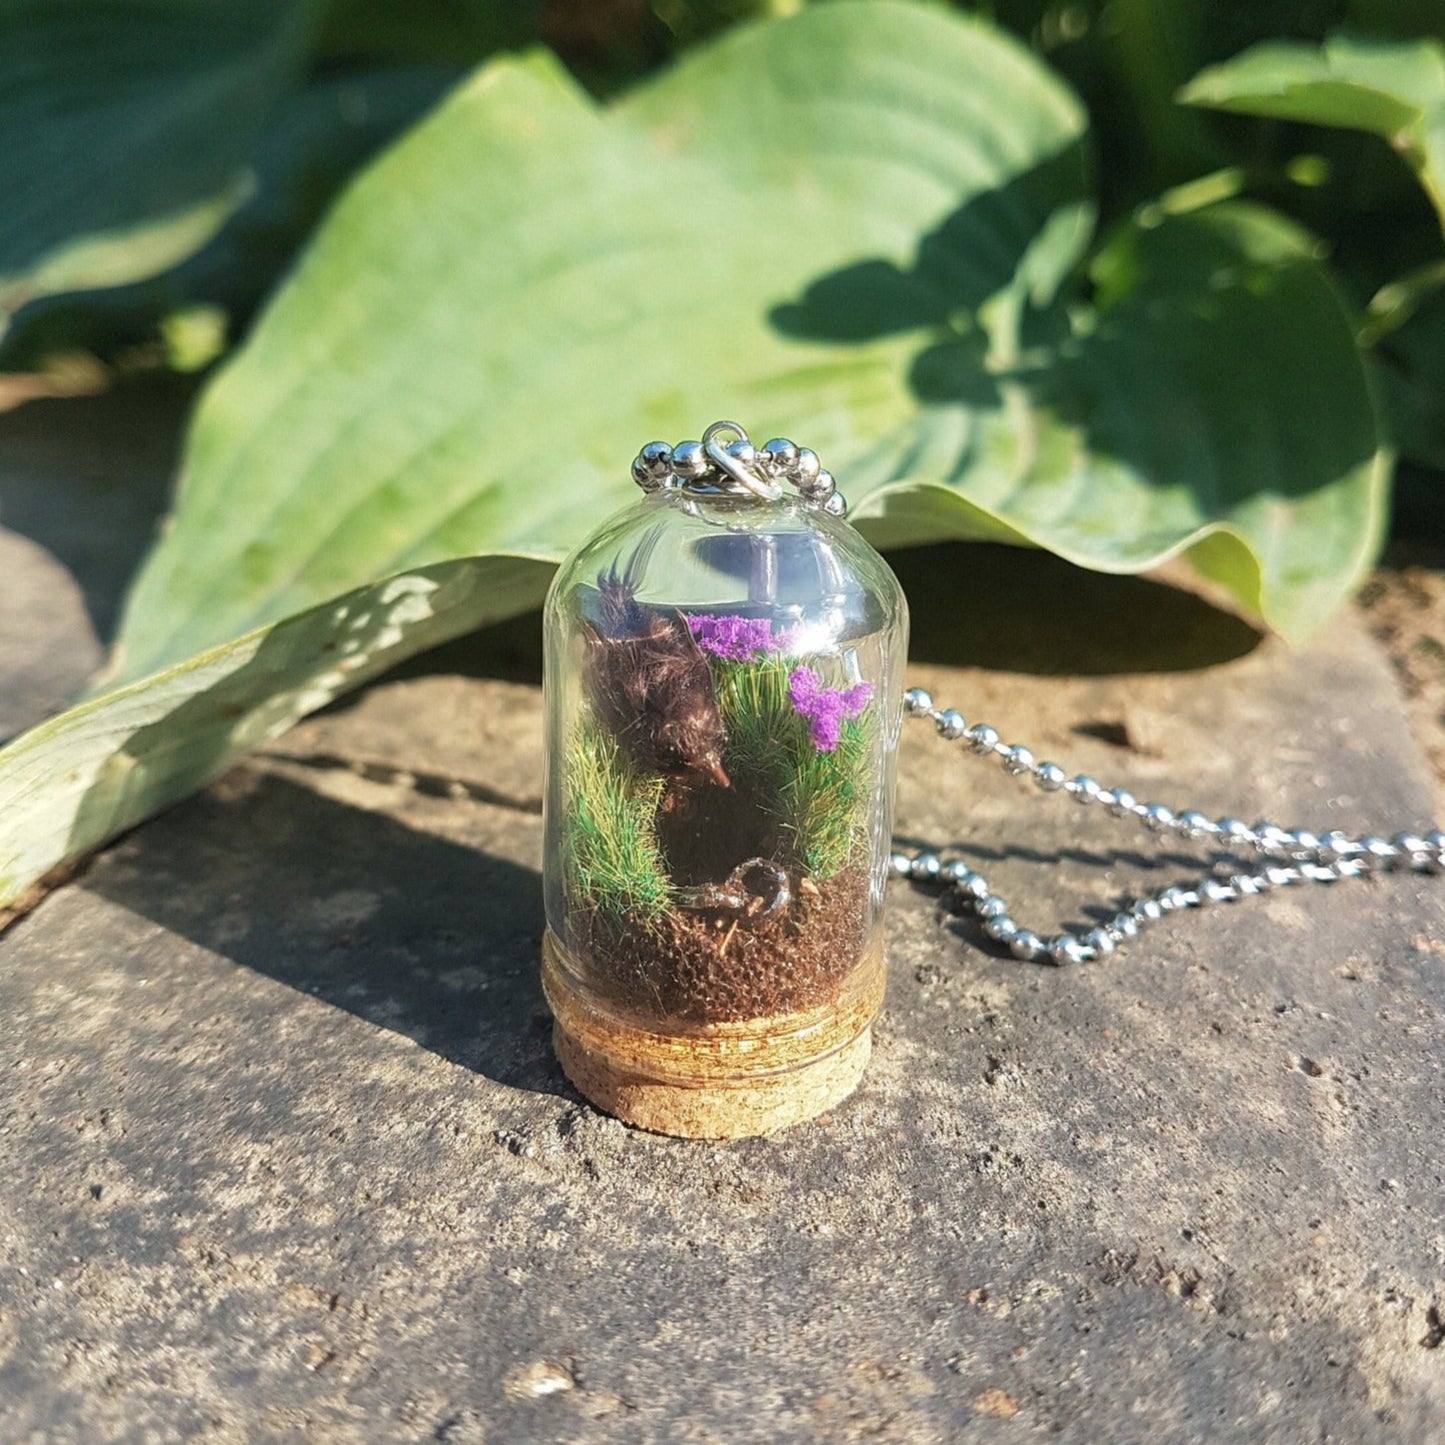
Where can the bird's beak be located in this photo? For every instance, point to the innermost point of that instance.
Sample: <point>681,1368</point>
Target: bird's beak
<point>718,775</point>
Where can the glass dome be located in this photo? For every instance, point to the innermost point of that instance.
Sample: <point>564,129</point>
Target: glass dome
<point>723,681</point>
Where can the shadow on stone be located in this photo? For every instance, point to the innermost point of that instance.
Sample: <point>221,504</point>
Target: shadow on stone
<point>1012,609</point>
<point>417,934</point>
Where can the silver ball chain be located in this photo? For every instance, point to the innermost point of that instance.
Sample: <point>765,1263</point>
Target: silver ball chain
<point>1291,855</point>
<point>714,467</point>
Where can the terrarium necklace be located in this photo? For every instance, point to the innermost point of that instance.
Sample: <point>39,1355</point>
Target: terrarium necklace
<point>723,698</point>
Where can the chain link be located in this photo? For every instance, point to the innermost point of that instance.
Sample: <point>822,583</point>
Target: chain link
<point>1278,857</point>
<point>1282,857</point>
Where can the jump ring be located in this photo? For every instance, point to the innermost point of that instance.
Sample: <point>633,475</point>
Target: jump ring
<point>744,476</point>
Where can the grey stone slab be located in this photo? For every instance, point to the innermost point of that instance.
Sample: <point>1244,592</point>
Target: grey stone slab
<point>284,1152</point>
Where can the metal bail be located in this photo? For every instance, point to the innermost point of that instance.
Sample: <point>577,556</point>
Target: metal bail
<point>760,487</point>
<point>735,468</point>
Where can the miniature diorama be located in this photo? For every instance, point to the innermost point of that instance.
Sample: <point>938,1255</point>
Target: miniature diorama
<point>723,709</point>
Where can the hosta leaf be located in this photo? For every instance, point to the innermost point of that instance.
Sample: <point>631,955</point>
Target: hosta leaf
<point>130,129</point>
<point>1391,88</point>
<point>526,285</point>
<point>855,227</point>
<point>1214,403</point>
<point>76,780</point>
<point>316,138</point>
<point>1412,369</point>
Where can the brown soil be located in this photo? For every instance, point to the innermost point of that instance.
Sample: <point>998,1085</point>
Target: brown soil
<point>1403,605</point>
<point>700,968</point>
<point>706,831</point>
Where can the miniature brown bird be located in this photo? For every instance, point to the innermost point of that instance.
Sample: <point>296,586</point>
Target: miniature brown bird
<point>651,685</point>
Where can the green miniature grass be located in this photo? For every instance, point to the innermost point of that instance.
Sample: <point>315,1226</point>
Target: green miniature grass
<point>609,837</point>
<point>818,799</point>
<point>826,800</point>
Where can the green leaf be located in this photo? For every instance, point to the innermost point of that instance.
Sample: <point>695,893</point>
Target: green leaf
<point>71,783</point>
<point>315,140</point>
<point>527,284</point>
<point>1411,360</point>
<point>1213,404</point>
<point>1390,88</point>
<point>858,227</point>
<point>131,129</point>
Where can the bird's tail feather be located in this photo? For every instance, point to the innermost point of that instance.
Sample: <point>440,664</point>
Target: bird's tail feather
<point>617,591</point>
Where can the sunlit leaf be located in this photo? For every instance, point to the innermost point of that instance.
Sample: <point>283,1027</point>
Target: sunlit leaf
<point>76,780</point>
<point>513,295</point>
<point>1214,404</point>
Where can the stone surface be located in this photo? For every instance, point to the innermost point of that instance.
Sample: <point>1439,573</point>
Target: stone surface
<point>284,1152</point>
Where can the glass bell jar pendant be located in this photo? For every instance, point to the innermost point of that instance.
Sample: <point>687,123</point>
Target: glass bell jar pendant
<point>723,701</point>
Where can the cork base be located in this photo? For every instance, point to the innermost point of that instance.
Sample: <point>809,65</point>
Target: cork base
<point>714,1111</point>
<point>727,1080</point>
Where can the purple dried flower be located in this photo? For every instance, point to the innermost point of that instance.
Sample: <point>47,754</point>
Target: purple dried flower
<point>737,639</point>
<point>825,708</point>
